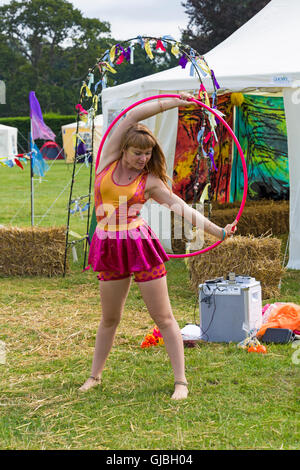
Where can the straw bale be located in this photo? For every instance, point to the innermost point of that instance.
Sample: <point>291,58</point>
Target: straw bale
<point>249,256</point>
<point>32,251</point>
<point>258,218</point>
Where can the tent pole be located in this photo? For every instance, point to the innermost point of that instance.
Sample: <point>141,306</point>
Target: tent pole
<point>31,182</point>
<point>32,193</point>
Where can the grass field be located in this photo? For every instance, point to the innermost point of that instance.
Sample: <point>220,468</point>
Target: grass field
<point>237,400</point>
<point>51,195</point>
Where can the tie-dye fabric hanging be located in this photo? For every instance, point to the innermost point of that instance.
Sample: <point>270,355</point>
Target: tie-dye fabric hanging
<point>260,128</point>
<point>189,122</point>
<point>185,162</point>
<point>220,180</point>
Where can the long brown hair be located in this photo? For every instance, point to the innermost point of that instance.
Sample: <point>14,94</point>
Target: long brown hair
<point>139,136</point>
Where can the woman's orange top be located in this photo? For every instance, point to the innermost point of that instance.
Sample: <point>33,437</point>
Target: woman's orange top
<point>118,206</point>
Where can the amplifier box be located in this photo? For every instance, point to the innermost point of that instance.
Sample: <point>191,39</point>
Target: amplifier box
<point>229,309</point>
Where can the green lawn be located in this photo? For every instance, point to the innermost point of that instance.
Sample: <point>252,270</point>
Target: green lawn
<point>51,195</point>
<point>237,400</point>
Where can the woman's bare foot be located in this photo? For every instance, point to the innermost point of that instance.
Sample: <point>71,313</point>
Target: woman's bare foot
<point>181,391</point>
<point>90,383</point>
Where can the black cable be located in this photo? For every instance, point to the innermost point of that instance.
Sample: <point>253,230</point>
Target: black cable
<point>194,314</point>
<point>207,299</point>
<point>204,300</point>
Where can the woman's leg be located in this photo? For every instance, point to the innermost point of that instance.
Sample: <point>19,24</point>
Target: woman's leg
<point>156,297</point>
<point>113,295</point>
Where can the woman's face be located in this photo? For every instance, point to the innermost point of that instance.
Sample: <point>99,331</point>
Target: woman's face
<point>137,158</point>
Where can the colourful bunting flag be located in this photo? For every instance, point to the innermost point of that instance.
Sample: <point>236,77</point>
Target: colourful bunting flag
<point>148,50</point>
<point>132,55</point>
<point>159,45</point>
<point>39,130</point>
<point>120,59</point>
<point>17,162</point>
<point>175,49</point>
<point>80,109</point>
<point>215,80</point>
<point>183,61</point>
<point>95,102</point>
<point>203,67</point>
<point>87,90</point>
<point>39,165</point>
<point>8,162</point>
<point>211,156</point>
<point>91,80</point>
<point>208,136</point>
<point>97,84</point>
<point>112,53</point>
<point>141,41</point>
<point>108,67</point>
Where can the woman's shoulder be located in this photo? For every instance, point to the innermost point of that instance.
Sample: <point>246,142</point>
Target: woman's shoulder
<point>153,180</point>
<point>105,167</point>
<point>153,183</point>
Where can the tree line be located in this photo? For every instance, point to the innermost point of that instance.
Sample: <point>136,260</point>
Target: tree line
<point>48,47</point>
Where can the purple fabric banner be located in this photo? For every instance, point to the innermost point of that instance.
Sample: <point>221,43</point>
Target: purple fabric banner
<point>39,129</point>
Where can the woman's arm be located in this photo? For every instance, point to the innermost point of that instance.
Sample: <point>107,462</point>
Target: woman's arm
<point>161,194</point>
<point>111,150</point>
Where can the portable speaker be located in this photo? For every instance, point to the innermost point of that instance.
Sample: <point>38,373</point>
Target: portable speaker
<point>278,335</point>
<point>229,309</point>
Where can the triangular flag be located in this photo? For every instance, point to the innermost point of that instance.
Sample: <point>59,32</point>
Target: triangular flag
<point>159,45</point>
<point>39,130</point>
<point>112,53</point>
<point>38,163</point>
<point>148,50</point>
<point>17,162</point>
<point>120,59</point>
<point>109,67</point>
<point>175,49</point>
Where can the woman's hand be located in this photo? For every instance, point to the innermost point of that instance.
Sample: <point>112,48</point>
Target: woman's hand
<point>230,229</point>
<point>185,99</point>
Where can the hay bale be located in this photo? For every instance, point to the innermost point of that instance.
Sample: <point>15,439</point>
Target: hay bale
<point>258,218</point>
<point>256,257</point>
<point>32,251</point>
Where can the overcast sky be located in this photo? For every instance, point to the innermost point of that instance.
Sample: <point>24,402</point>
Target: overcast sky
<point>130,18</point>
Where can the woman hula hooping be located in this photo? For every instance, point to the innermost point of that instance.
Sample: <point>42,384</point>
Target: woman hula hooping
<point>131,170</point>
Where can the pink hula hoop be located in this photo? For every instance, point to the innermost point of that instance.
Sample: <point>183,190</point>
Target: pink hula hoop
<point>204,250</point>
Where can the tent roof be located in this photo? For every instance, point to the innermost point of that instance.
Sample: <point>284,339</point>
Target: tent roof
<point>3,127</point>
<point>50,144</point>
<point>98,122</point>
<point>262,53</point>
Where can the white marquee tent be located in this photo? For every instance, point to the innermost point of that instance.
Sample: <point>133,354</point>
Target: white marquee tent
<point>8,142</point>
<point>263,55</point>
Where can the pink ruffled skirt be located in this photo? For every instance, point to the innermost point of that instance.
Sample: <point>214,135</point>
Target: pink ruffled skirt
<point>126,251</point>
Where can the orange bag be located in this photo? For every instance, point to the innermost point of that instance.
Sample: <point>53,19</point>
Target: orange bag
<point>283,316</point>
